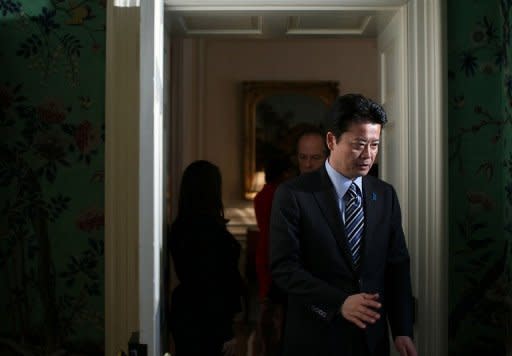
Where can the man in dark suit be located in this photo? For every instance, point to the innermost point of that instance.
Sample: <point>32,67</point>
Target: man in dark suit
<point>338,247</point>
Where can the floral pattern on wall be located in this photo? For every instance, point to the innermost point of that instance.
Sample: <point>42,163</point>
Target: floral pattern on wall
<point>480,177</point>
<point>52,137</point>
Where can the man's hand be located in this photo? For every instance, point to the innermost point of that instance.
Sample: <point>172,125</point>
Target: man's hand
<point>360,309</point>
<point>405,346</point>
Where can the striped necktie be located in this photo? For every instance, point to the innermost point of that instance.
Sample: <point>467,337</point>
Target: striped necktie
<point>354,221</point>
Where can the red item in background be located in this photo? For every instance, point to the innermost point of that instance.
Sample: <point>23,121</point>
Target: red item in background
<point>262,208</point>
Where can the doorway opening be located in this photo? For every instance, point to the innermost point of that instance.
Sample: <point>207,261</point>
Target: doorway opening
<point>133,231</point>
<point>213,53</point>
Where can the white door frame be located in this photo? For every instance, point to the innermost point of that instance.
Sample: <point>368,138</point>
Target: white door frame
<point>134,172</point>
<point>151,175</point>
<point>134,192</point>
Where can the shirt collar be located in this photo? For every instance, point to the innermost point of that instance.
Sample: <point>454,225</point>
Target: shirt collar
<point>340,182</point>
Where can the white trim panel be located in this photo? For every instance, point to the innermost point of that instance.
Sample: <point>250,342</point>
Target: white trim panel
<point>151,191</point>
<point>121,177</point>
<point>277,5</point>
<point>312,31</point>
<point>428,174</point>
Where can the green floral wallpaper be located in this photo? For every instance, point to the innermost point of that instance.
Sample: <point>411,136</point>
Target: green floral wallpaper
<point>52,65</point>
<point>480,177</point>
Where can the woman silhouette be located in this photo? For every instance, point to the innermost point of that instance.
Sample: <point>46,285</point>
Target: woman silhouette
<point>205,256</point>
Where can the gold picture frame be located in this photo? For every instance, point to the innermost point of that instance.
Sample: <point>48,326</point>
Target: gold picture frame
<point>285,101</point>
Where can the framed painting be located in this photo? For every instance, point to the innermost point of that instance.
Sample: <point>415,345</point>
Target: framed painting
<point>275,113</point>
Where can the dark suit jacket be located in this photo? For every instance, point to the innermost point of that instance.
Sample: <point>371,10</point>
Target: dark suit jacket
<point>310,260</point>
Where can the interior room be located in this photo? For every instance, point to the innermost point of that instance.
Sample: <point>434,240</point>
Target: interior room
<point>214,55</point>
<point>103,103</point>
<point>209,115</point>
<point>211,57</point>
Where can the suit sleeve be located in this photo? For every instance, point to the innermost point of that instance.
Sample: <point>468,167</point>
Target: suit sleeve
<point>398,279</point>
<point>286,261</point>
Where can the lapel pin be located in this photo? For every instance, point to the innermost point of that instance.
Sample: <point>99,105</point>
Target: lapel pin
<point>374,196</point>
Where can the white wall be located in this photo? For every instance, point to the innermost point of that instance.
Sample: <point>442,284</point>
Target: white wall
<point>212,70</point>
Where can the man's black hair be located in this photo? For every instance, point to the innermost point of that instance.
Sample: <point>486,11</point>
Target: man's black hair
<point>353,108</point>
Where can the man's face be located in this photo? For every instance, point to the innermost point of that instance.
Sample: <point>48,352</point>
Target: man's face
<point>353,155</point>
<point>310,153</point>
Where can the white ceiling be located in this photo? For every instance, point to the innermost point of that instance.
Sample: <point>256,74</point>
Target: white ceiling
<point>286,23</point>
<point>282,3</point>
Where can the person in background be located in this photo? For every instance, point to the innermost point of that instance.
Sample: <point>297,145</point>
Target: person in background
<point>205,256</point>
<point>311,150</point>
<point>267,340</point>
<point>338,248</point>
<point>277,170</point>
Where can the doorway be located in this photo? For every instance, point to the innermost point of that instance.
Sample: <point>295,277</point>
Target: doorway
<point>416,97</point>
<point>212,54</point>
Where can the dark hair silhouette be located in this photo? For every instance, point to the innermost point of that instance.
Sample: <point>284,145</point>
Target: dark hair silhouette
<point>312,130</point>
<point>276,167</point>
<point>354,108</point>
<point>201,192</point>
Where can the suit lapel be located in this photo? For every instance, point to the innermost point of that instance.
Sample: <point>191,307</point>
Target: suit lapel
<point>327,201</point>
<point>370,215</point>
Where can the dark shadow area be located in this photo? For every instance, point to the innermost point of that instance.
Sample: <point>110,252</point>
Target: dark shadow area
<point>51,177</point>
